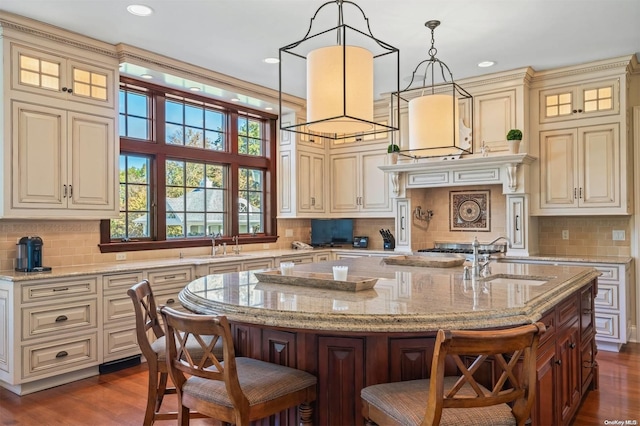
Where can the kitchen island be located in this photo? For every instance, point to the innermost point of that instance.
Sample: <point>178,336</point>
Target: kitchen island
<point>355,339</point>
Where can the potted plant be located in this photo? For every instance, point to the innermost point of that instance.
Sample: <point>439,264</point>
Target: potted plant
<point>393,151</point>
<point>514,137</point>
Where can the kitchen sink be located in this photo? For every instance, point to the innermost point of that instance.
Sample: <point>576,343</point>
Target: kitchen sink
<point>516,279</point>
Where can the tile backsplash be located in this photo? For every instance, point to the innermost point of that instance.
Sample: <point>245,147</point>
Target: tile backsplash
<point>70,243</point>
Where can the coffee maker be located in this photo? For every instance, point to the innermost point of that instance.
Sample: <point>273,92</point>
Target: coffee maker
<point>30,255</point>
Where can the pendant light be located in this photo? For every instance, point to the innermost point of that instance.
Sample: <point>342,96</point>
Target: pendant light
<point>341,64</point>
<point>434,110</point>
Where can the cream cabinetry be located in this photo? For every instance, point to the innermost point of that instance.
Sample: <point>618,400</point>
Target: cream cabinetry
<point>64,161</point>
<point>612,301</point>
<point>60,133</point>
<point>311,182</point>
<point>302,186</point>
<point>119,328</point>
<point>51,328</point>
<point>581,168</point>
<point>38,71</point>
<point>579,118</point>
<point>577,101</point>
<point>359,186</point>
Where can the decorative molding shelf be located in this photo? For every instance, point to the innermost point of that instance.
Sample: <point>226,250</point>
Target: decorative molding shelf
<point>467,170</point>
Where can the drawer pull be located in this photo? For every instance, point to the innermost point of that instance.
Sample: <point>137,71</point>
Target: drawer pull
<point>61,289</point>
<point>172,277</point>
<point>62,354</point>
<point>61,318</point>
<point>170,301</point>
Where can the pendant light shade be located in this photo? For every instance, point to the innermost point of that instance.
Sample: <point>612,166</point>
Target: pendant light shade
<point>431,121</point>
<point>341,65</point>
<point>338,90</point>
<point>437,126</point>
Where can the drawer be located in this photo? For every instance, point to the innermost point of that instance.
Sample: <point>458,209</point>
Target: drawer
<point>549,320</point>
<point>257,264</point>
<point>170,277</point>
<point>607,296</point>
<point>58,357</point>
<point>52,290</point>
<point>567,311</point>
<point>39,321</point>
<point>121,281</point>
<point>117,307</point>
<point>607,326</point>
<point>609,273</point>
<point>120,342</point>
<point>169,299</point>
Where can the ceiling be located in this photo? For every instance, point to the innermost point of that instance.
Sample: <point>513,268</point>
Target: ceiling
<point>233,37</point>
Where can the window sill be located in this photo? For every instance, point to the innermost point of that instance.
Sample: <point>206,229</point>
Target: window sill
<point>114,247</point>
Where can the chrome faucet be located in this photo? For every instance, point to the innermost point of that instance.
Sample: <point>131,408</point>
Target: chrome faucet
<point>502,238</point>
<point>236,249</point>
<point>479,269</point>
<point>214,249</point>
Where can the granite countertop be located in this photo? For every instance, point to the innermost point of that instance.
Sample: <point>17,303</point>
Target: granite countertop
<point>404,298</point>
<point>121,267</point>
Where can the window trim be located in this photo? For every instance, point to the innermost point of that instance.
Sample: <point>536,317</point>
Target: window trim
<point>161,151</point>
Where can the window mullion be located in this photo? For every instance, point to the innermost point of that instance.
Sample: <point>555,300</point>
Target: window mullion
<point>232,134</point>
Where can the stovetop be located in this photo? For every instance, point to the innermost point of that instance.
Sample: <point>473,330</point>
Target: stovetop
<point>465,248</point>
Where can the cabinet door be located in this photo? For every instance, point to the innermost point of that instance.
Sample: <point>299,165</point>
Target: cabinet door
<point>345,181</point>
<point>544,410</point>
<point>558,160</point>
<point>599,161</point>
<point>516,221</point>
<point>495,116</point>
<point>92,180</point>
<point>403,224</point>
<point>310,189</point>
<point>569,369</point>
<point>39,157</point>
<point>580,101</point>
<point>374,196</point>
<point>42,73</point>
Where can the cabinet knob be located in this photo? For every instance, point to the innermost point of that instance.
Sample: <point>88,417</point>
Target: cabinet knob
<point>572,345</point>
<point>68,90</point>
<point>559,362</point>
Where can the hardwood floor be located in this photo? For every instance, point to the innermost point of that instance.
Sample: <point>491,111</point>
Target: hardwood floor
<point>119,398</point>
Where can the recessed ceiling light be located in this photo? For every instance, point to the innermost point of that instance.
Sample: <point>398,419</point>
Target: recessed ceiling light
<point>147,76</point>
<point>139,10</point>
<point>235,100</point>
<point>195,89</point>
<point>268,108</point>
<point>271,60</point>
<point>485,64</point>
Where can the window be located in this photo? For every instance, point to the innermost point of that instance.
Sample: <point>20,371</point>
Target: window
<point>191,168</point>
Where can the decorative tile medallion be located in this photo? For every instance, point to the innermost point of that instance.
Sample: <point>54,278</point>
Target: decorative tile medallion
<point>469,210</point>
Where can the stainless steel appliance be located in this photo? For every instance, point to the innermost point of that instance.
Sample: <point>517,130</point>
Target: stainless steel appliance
<point>467,249</point>
<point>29,257</point>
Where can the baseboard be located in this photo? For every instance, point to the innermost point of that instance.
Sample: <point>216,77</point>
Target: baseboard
<point>120,364</point>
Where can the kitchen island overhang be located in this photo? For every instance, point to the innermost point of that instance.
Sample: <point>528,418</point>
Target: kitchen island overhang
<point>405,299</point>
<point>351,340</point>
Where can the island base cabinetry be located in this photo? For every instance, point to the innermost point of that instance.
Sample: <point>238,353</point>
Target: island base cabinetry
<point>348,361</point>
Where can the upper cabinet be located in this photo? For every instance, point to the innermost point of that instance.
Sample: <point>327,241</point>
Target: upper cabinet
<point>60,125</point>
<point>580,123</point>
<point>38,72</point>
<point>578,101</point>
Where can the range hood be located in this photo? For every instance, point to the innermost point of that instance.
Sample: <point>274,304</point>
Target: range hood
<point>510,170</point>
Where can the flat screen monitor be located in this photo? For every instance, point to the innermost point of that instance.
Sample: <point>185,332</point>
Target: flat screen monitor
<point>331,232</point>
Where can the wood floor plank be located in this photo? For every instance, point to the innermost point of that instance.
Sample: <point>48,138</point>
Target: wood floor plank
<point>119,398</point>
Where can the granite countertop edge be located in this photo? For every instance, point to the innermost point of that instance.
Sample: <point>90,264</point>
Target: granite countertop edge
<point>336,322</point>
